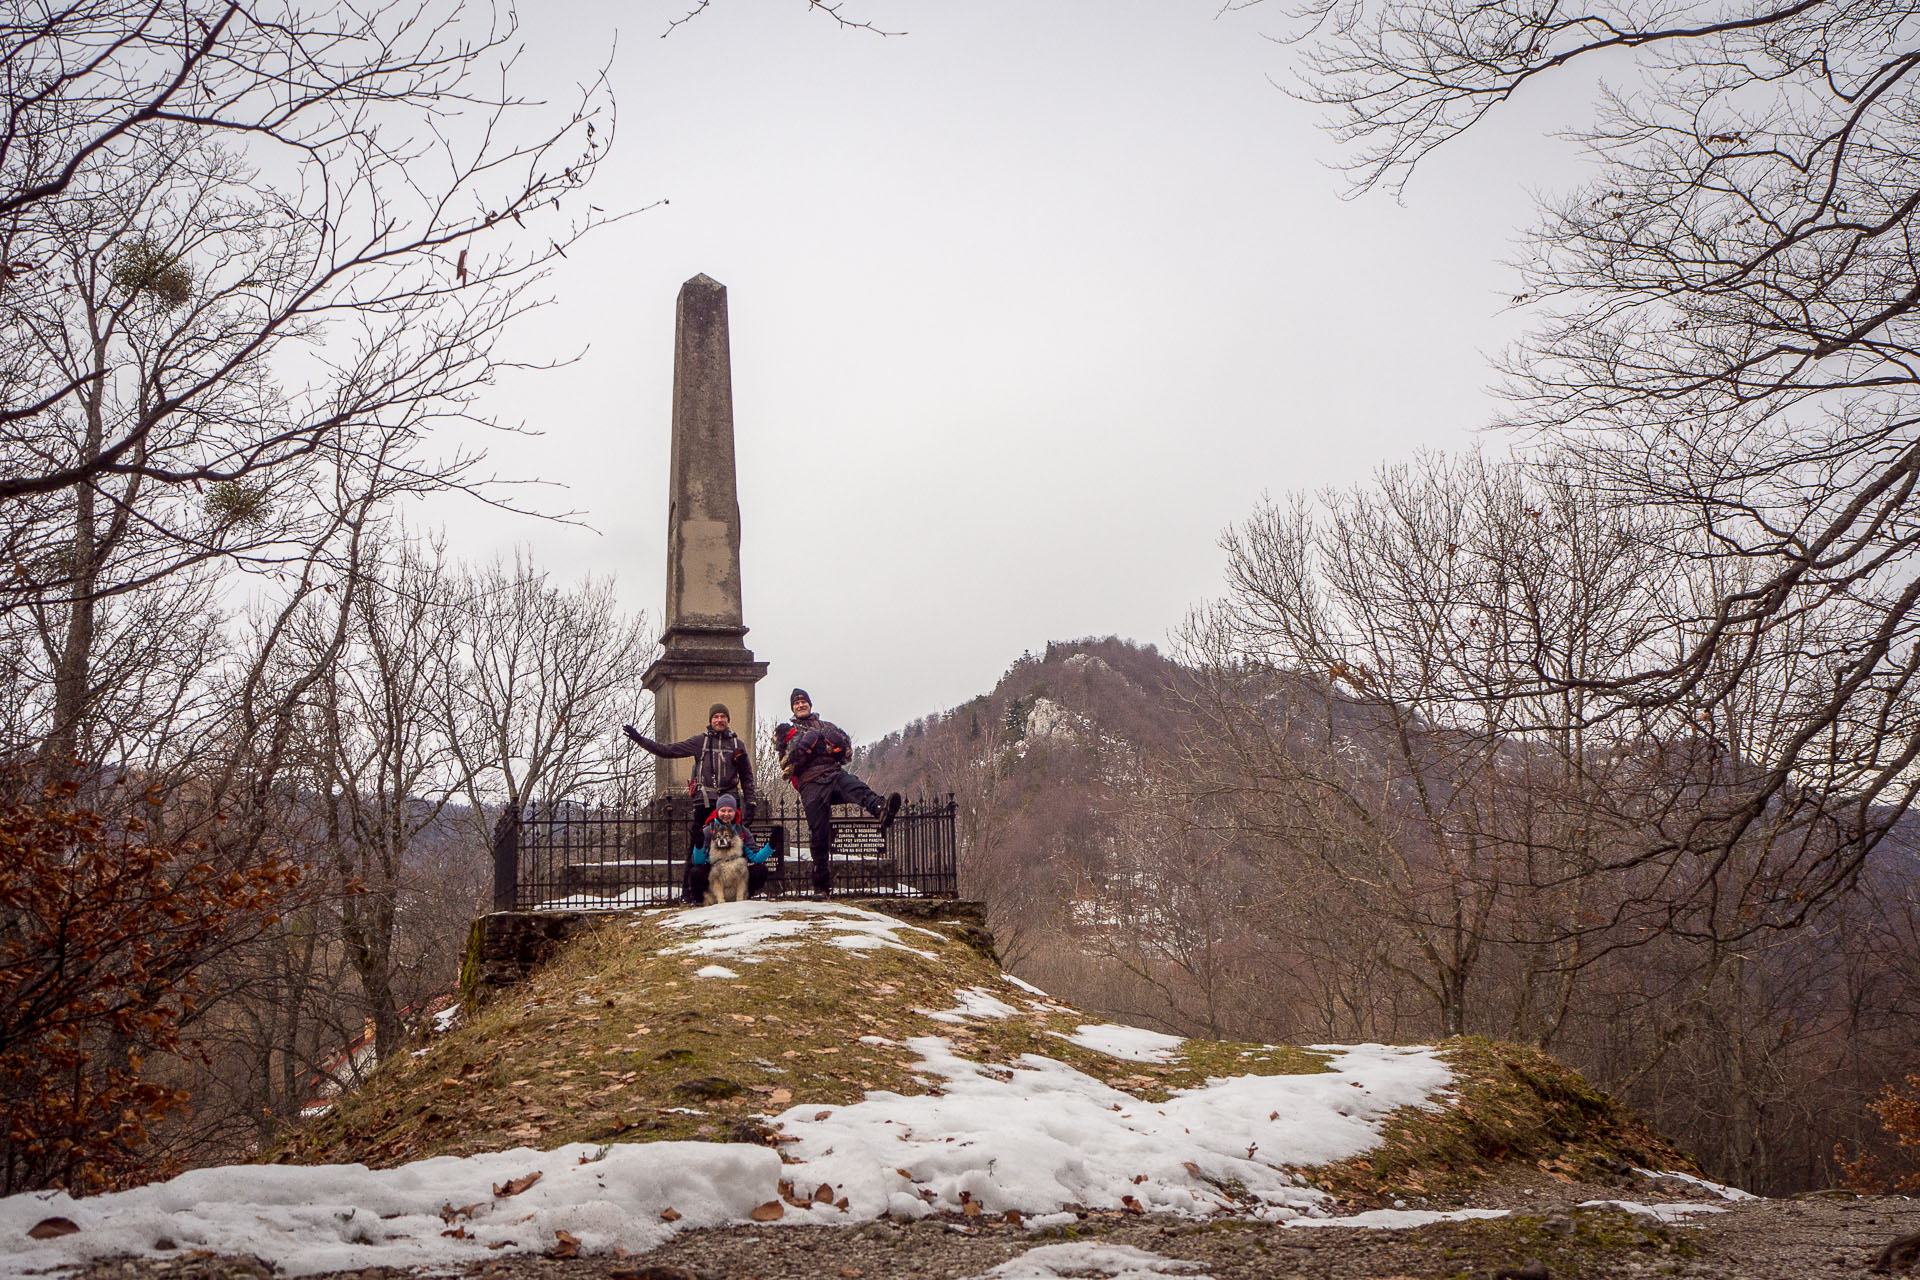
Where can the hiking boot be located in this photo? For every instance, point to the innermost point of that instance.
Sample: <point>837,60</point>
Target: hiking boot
<point>888,812</point>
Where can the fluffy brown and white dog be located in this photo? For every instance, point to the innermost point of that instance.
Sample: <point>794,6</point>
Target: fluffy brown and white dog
<point>727,867</point>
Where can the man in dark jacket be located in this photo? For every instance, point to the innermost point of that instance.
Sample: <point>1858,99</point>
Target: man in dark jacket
<point>813,755</point>
<point>722,765</point>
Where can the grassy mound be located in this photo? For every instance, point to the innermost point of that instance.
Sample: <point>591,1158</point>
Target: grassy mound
<point>1510,1105</point>
<point>620,1039</point>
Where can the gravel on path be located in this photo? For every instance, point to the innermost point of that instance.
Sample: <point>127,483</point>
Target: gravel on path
<point>1548,1233</point>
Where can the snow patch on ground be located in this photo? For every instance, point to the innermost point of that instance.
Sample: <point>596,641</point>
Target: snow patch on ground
<point>1132,1043</point>
<point>1718,1189</point>
<point>1042,1134</point>
<point>715,971</point>
<point>1106,1261</point>
<point>750,930</point>
<point>1388,1219</point>
<point>975,1002</point>
<point>1673,1211</point>
<point>337,1217</point>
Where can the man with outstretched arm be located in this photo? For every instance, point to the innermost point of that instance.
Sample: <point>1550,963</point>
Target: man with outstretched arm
<point>722,765</point>
<point>813,755</point>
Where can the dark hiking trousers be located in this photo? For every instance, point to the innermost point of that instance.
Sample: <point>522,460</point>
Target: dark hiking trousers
<point>818,799</point>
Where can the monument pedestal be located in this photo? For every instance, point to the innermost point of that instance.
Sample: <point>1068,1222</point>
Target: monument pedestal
<point>684,682</point>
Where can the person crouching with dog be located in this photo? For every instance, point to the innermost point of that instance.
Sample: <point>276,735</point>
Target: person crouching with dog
<point>722,766</point>
<point>726,867</point>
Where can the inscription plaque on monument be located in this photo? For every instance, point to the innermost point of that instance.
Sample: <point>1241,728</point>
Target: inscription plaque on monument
<point>858,839</point>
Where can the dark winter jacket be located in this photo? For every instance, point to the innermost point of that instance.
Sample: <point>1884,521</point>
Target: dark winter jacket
<point>721,761</point>
<point>814,749</point>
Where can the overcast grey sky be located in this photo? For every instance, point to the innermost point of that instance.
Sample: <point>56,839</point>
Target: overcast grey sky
<point>1027,305</point>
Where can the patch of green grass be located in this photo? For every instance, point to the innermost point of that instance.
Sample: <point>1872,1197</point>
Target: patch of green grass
<point>1217,1059</point>
<point>1595,1247</point>
<point>1586,1244</point>
<point>1509,1104</point>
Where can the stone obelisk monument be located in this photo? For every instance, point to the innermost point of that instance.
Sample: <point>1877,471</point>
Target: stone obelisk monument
<point>705,658</point>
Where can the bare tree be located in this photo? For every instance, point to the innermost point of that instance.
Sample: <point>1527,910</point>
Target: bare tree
<point>544,677</point>
<point>383,770</point>
<point>1727,335</point>
<point>118,325</point>
<point>1363,700</point>
<point>1396,702</point>
<point>237,235</point>
<point>1178,906</point>
<point>251,257</point>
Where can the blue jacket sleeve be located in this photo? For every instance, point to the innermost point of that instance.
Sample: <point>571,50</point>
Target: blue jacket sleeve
<point>700,856</point>
<point>758,856</point>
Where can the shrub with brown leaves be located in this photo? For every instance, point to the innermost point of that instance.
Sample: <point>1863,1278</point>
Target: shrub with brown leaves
<point>102,936</point>
<point>1898,1108</point>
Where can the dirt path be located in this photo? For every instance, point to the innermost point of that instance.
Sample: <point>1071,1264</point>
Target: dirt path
<point>1805,1239</point>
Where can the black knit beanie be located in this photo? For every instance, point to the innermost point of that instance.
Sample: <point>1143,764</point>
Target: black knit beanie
<point>719,708</point>
<point>798,694</point>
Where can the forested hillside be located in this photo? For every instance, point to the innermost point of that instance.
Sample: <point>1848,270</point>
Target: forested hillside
<point>1147,850</point>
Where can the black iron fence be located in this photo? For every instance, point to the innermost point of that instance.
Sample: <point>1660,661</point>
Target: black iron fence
<point>566,856</point>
